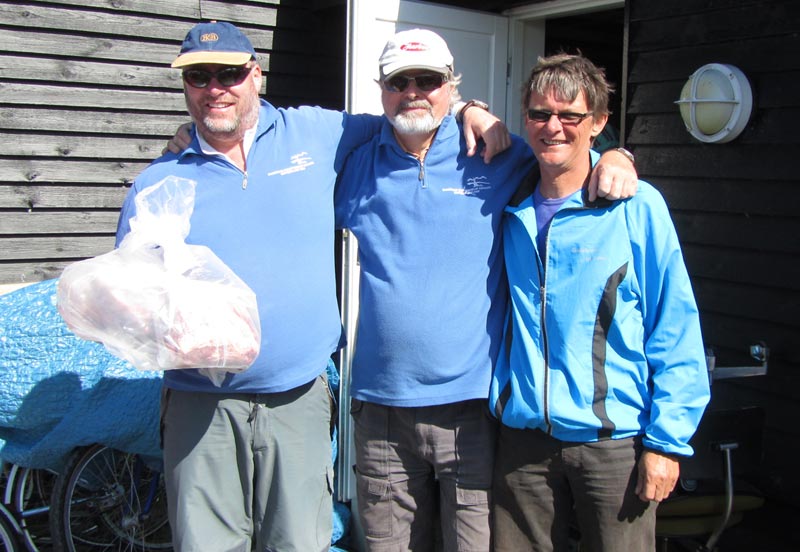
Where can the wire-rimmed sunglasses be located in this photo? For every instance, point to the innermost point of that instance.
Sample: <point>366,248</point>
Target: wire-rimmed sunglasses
<point>228,76</point>
<point>565,117</point>
<point>426,82</point>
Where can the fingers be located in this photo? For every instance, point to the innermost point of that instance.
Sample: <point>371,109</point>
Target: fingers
<point>657,476</point>
<point>480,124</point>
<point>181,140</point>
<point>614,177</point>
<point>497,139</point>
<point>471,144</point>
<point>612,183</point>
<point>593,184</point>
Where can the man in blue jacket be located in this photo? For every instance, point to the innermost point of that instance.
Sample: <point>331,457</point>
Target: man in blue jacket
<point>602,380</point>
<point>432,300</point>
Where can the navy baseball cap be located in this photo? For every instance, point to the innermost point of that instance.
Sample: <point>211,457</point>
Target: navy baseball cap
<point>215,42</point>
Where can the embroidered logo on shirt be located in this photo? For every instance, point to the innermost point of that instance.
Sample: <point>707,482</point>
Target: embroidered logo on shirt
<point>472,186</point>
<point>300,162</point>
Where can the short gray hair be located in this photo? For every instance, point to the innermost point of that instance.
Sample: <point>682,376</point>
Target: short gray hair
<point>453,81</point>
<point>566,75</point>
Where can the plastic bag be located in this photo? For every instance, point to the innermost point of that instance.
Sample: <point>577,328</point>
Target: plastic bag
<point>159,302</point>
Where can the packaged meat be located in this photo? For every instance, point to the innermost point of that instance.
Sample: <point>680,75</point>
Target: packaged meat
<point>160,303</point>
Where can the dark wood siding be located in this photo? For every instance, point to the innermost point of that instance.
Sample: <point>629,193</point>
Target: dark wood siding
<point>735,205</point>
<point>87,99</point>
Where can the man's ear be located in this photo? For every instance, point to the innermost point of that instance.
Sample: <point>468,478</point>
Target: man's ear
<point>598,124</point>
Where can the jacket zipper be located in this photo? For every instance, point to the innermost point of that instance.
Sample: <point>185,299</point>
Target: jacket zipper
<point>546,355</point>
<point>546,344</point>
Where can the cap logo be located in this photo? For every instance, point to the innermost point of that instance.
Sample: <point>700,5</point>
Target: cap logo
<point>209,37</point>
<point>414,47</point>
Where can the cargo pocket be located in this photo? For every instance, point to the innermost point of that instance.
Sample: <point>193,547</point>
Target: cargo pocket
<point>470,522</point>
<point>375,505</point>
<point>466,498</point>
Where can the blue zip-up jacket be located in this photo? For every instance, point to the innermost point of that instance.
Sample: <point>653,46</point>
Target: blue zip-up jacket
<point>603,338</point>
<point>432,292</point>
<point>273,226</point>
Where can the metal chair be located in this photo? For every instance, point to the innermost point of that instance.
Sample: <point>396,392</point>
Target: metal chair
<point>711,495</point>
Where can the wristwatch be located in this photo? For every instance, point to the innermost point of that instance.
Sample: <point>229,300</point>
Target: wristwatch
<point>627,154</point>
<point>470,103</point>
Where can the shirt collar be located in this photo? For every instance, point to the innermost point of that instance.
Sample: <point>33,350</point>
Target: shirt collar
<point>208,149</point>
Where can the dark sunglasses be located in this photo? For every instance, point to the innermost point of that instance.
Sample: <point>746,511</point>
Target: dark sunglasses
<point>426,83</point>
<point>565,117</point>
<point>229,76</point>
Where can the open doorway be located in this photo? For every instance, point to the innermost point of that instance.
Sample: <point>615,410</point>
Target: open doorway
<point>598,36</point>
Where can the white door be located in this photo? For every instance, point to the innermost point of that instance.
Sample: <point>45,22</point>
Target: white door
<point>478,41</point>
<point>479,44</point>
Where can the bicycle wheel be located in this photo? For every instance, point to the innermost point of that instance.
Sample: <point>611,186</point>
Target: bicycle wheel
<point>109,500</point>
<point>29,500</point>
<point>8,531</point>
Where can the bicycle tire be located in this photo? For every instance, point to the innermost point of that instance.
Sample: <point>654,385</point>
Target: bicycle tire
<point>30,491</point>
<point>110,500</point>
<point>9,531</point>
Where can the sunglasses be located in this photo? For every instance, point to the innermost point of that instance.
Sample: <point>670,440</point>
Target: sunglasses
<point>565,117</point>
<point>426,83</point>
<point>229,76</point>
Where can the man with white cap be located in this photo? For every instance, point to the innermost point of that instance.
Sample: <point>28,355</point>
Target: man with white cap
<point>432,299</point>
<point>248,464</point>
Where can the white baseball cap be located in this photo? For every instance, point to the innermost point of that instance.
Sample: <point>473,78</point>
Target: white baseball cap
<point>415,49</point>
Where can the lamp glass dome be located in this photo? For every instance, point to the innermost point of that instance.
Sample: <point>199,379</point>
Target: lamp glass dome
<point>715,103</point>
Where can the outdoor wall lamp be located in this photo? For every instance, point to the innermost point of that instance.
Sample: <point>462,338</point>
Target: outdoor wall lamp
<point>716,103</point>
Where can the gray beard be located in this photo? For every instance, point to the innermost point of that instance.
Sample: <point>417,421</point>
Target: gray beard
<point>231,126</point>
<point>221,127</point>
<point>405,124</point>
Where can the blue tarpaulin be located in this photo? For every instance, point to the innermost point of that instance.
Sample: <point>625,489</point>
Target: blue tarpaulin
<point>59,392</point>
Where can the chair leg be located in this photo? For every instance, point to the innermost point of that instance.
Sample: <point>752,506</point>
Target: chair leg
<point>725,448</point>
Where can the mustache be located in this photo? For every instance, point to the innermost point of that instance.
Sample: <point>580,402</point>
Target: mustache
<point>415,104</point>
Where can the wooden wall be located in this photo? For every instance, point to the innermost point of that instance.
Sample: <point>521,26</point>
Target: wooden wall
<point>735,205</point>
<point>87,99</point>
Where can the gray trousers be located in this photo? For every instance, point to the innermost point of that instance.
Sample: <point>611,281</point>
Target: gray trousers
<point>249,472</point>
<point>542,484</point>
<point>424,473</point>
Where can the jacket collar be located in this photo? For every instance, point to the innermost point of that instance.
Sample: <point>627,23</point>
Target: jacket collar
<point>578,199</point>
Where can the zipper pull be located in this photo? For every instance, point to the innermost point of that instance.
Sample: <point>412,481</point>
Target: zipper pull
<point>244,182</point>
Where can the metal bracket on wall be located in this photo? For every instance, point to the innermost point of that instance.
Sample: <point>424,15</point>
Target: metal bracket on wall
<point>759,352</point>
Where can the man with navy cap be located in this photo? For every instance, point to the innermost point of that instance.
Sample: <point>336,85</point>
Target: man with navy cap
<point>248,464</point>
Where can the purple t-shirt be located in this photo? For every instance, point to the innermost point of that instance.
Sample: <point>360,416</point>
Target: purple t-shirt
<point>545,209</point>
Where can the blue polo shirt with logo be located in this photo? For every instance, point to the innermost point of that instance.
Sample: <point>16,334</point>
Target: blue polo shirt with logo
<point>433,290</point>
